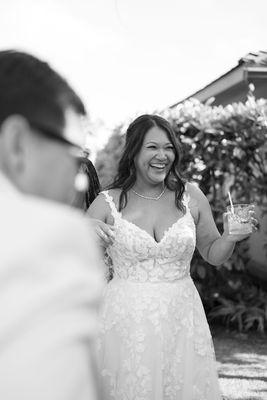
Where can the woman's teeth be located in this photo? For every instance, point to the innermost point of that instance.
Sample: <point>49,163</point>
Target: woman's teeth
<point>159,166</point>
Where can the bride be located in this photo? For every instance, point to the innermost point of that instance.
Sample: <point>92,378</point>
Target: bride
<point>155,343</point>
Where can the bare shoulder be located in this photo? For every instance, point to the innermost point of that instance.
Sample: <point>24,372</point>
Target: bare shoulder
<point>115,194</point>
<point>195,193</point>
<point>99,208</point>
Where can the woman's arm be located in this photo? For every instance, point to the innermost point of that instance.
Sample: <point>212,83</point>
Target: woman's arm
<point>213,247</point>
<point>99,213</point>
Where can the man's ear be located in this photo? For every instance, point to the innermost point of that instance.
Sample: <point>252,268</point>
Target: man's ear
<point>14,133</point>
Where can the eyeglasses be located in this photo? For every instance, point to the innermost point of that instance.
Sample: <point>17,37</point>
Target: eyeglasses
<point>81,182</point>
<point>49,133</point>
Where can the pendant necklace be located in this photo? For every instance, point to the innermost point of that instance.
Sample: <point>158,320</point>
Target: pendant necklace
<point>148,197</point>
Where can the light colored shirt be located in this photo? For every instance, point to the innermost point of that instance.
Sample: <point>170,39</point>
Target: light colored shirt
<point>50,288</point>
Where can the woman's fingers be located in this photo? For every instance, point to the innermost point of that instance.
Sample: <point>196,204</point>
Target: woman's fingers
<point>253,220</point>
<point>104,239</point>
<point>255,224</point>
<point>104,232</point>
<point>108,230</point>
<point>101,234</point>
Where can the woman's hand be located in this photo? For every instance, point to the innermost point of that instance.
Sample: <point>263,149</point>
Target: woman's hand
<point>105,232</point>
<point>238,237</point>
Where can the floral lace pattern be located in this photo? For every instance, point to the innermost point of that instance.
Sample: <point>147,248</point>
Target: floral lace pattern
<point>154,341</point>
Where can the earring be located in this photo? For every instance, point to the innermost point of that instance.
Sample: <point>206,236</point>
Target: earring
<point>81,182</point>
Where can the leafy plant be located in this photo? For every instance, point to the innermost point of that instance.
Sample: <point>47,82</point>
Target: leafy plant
<point>246,314</point>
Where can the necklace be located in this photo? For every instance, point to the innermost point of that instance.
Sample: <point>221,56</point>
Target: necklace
<point>150,198</point>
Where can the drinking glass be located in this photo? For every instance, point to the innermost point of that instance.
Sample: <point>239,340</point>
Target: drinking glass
<point>239,219</point>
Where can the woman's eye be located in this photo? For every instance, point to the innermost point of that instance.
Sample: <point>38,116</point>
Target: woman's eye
<point>169,148</point>
<point>151,147</point>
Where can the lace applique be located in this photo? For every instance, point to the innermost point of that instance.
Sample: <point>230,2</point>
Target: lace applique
<point>154,340</point>
<point>140,258</point>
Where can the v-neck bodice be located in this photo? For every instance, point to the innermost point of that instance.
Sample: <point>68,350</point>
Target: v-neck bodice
<point>137,256</point>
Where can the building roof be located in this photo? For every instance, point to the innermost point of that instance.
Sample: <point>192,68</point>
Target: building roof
<point>252,65</point>
<point>258,59</point>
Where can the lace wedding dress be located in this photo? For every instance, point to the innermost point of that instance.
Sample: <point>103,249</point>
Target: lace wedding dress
<point>154,341</point>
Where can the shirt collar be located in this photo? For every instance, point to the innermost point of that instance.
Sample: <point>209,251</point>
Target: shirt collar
<point>6,186</point>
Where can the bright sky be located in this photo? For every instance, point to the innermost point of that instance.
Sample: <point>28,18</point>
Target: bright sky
<point>126,57</point>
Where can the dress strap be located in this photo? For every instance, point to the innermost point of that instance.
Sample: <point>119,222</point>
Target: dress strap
<point>186,198</point>
<point>110,201</point>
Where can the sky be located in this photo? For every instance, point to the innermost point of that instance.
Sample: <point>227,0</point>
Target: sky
<point>127,57</point>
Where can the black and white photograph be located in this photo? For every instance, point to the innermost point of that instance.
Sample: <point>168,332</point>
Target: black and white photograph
<point>133,200</point>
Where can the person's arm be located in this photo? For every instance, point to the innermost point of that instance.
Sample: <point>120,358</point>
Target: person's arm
<point>213,247</point>
<point>99,213</point>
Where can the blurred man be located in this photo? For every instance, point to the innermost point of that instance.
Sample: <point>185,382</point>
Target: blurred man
<point>49,265</point>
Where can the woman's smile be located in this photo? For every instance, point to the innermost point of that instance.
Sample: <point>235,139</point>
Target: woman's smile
<point>158,168</point>
<point>158,165</point>
<point>156,156</point>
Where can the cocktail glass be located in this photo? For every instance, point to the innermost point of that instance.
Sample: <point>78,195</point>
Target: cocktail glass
<point>239,219</point>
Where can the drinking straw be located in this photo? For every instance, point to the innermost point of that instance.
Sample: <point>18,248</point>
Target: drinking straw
<point>231,203</point>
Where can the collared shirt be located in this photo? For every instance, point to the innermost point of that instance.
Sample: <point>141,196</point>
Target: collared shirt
<point>6,186</point>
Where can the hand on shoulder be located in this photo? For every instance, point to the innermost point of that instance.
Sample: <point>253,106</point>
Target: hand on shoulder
<point>98,212</point>
<point>104,232</point>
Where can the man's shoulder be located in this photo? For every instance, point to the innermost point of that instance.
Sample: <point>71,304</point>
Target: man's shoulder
<point>39,231</point>
<point>33,217</point>
<point>54,212</point>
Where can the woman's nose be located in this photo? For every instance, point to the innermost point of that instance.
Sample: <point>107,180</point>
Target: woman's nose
<point>161,154</point>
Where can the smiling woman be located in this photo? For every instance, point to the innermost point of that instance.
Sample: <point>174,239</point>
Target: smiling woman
<point>154,341</point>
<point>151,157</point>
<point>155,158</point>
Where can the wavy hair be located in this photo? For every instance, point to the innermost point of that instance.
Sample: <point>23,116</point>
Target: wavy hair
<point>84,200</point>
<point>126,175</point>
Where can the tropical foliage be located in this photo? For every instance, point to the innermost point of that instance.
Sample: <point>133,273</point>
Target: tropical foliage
<point>224,149</point>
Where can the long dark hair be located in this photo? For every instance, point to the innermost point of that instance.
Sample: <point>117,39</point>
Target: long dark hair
<point>126,175</point>
<point>94,185</point>
<point>83,200</point>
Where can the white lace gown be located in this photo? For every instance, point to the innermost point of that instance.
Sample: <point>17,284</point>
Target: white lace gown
<point>154,343</point>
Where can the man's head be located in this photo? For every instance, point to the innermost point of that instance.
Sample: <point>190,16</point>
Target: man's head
<point>40,127</point>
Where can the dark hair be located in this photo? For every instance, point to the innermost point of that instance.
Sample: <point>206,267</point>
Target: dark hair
<point>31,88</point>
<point>94,185</point>
<point>85,199</point>
<point>126,175</point>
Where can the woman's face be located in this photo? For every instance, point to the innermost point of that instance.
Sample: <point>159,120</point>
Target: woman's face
<point>155,158</point>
